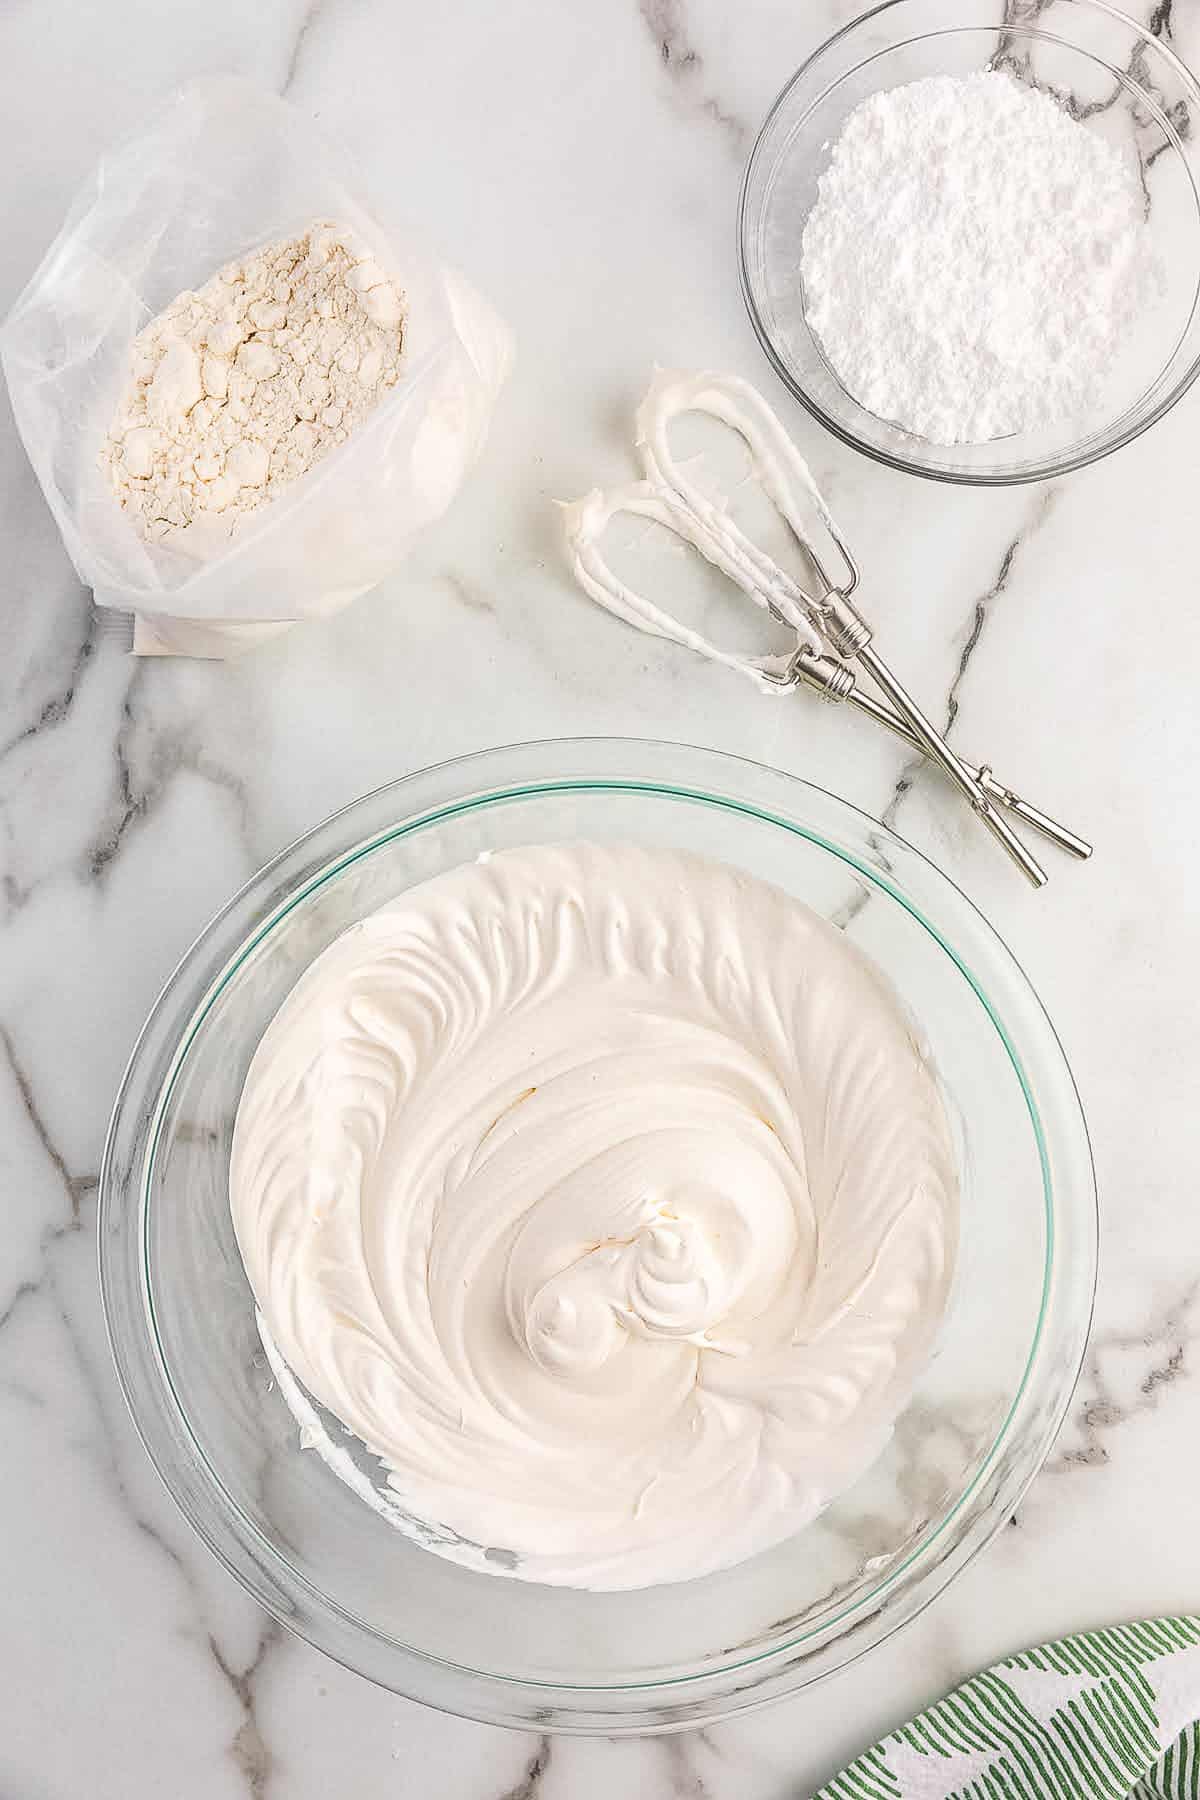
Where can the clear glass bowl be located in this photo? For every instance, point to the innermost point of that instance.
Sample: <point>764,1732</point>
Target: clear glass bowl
<point>182,1327</point>
<point>1113,75</point>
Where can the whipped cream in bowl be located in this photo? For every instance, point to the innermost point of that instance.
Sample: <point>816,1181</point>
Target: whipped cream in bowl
<point>613,1167</point>
<point>604,1194</point>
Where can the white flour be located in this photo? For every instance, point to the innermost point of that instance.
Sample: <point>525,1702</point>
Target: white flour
<point>242,386</point>
<point>974,258</point>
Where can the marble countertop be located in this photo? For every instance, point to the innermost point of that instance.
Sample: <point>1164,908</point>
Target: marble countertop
<point>582,164</point>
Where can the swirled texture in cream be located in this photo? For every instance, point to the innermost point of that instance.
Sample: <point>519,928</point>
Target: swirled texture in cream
<point>606,1196</point>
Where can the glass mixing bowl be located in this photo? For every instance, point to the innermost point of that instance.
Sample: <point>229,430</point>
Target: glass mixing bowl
<point>310,1550</point>
<point>1111,74</point>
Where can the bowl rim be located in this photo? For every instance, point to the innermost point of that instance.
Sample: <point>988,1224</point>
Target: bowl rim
<point>661,1703</point>
<point>1045,469</point>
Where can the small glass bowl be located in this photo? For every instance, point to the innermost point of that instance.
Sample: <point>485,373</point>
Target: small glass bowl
<point>181,1317</point>
<point>1110,73</point>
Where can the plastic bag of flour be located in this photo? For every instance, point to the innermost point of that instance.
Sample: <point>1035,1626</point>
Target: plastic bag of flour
<point>225,169</point>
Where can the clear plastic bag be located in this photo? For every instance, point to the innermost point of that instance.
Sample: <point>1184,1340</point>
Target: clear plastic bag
<point>221,170</point>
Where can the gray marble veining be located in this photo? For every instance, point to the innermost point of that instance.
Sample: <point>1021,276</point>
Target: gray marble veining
<point>582,164</point>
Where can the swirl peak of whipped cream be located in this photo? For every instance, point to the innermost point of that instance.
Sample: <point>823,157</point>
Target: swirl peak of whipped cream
<point>604,1194</point>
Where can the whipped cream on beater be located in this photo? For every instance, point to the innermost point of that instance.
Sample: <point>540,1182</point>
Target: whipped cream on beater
<point>669,497</point>
<point>605,1195</point>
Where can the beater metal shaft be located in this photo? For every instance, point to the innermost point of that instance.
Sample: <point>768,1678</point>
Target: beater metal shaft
<point>834,681</point>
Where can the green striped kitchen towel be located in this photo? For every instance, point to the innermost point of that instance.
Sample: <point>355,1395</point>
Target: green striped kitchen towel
<point>1105,1715</point>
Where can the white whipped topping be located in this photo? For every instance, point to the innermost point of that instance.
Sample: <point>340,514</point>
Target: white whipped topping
<point>606,1196</point>
<point>669,497</point>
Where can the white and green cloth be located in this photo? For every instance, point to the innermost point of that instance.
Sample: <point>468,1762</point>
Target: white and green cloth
<point>1104,1715</point>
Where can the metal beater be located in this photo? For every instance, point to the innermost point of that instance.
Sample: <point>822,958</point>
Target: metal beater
<point>826,616</point>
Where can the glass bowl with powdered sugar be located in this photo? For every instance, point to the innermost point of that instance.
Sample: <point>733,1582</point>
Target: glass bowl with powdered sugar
<point>970,235</point>
<point>299,1509</point>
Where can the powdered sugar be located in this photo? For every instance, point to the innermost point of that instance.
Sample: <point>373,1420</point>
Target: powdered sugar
<point>974,258</point>
<point>242,386</point>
